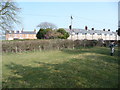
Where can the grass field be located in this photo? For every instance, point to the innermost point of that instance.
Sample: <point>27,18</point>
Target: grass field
<point>78,68</point>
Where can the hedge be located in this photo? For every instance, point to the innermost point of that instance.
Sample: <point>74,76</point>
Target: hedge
<point>52,44</point>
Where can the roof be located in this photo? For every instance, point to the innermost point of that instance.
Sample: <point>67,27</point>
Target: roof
<point>23,32</point>
<point>83,31</point>
<point>28,32</point>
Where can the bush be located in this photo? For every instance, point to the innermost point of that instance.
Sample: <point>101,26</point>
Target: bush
<point>52,34</point>
<point>64,35</point>
<point>42,32</point>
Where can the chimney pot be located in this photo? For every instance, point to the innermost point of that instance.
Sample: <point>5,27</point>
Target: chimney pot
<point>86,27</point>
<point>103,29</point>
<point>108,29</point>
<point>92,28</point>
<point>70,27</point>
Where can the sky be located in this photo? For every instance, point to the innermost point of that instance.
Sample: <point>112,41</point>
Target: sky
<point>119,14</point>
<point>98,15</point>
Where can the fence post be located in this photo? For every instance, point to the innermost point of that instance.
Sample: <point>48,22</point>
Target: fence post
<point>73,45</point>
<point>16,49</point>
<point>39,48</point>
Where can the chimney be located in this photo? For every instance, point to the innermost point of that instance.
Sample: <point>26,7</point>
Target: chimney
<point>103,29</point>
<point>12,32</point>
<point>86,27</point>
<point>17,31</point>
<point>70,27</point>
<point>108,29</point>
<point>22,30</point>
<point>92,28</point>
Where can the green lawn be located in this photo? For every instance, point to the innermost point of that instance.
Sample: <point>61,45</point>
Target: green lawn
<point>78,68</point>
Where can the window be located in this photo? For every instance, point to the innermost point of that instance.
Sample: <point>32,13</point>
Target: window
<point>15,35</point>
<point>99,34</point>
<point>27,35</point>
<point>21,35</point>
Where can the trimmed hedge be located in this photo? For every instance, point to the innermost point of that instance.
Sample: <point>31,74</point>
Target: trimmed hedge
<point>52,44</point>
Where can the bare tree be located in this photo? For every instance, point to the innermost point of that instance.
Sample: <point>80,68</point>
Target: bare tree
<point>45,25</point>
<point>8,15</point>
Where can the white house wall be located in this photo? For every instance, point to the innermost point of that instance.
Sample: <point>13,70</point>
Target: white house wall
<point>93,37</point>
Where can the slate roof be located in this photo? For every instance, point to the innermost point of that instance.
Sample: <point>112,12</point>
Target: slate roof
<point>24,32</point>
<point>83,31</point>
<point>28,32</point>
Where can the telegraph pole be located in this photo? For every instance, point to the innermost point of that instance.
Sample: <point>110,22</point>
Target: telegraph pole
<point>70,27</point>
<point>71,21</point>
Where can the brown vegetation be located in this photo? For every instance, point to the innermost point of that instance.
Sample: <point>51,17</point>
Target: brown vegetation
<point>53,44</point>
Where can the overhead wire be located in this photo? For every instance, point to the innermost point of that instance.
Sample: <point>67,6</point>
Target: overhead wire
<point>77,17</point>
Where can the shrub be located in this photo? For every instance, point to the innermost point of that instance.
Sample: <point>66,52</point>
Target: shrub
<point>52,34</point>
<point>42,32</point>
<point>64,35</point>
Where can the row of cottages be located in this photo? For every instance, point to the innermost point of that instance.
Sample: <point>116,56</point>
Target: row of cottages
<point>81,34</point>
<point>75,34</point>
<point>13,35</point>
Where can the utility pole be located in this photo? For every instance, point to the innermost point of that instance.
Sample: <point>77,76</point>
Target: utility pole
<point>77,36</point>
<point>71,21</point>
<point>70,27</point>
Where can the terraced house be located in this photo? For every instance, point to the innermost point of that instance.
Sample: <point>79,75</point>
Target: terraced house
<point>13,35</point>
<point>75,34</point>
<point>81,34</point>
